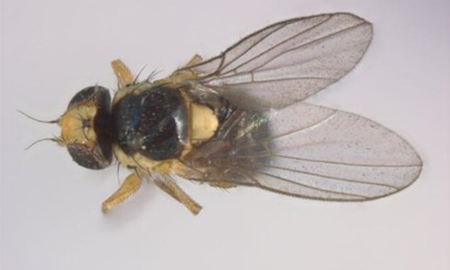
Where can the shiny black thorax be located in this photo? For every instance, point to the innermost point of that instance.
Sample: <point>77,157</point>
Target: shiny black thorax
<point>153,122</point>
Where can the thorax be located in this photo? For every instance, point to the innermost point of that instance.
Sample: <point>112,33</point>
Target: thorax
<point>162,122</point>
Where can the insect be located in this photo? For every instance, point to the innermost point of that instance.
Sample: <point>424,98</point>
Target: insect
<point>239,119</point>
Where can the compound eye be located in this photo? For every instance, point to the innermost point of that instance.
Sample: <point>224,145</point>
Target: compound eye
<point>91,158</point>
<point>86,128</point>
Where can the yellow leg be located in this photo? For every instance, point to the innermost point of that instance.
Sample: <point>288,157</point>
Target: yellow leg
<point>181,76</point>
<point>166,189</point>
<point>122,72</point>
<point>222,184</point>
<point>170,187</point>
<point>194,60</point>
<point>125,77</point>
<point>131,184</point>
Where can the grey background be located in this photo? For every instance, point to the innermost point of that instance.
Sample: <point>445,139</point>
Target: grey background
<point>50,208</point>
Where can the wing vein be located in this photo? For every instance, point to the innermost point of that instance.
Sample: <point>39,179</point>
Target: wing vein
<point>312,42</point>
<point>251,47</point>
<point>292,49</point>
<point>303,129</point>
<point>320,161</point>
<point>331,177</point>
<point>304,185</point>
<point>275,46</point>
<point>282,80</point>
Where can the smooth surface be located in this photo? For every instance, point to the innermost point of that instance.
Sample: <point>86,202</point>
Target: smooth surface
<point>51,209</point>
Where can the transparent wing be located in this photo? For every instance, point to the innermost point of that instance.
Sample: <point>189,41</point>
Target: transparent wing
<point>308,151</point>
<point>288,61</point>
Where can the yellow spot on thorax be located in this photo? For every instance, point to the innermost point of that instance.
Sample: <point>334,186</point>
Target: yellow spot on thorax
<point>204,122</point>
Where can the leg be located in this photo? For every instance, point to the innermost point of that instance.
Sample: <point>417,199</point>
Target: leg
<point>176,192</point>
<point>162,185</point>
<point>168,185</point>
<point>131,184</point>
<point>122,72</point>
<point>222,184</point>
<point>125,77</point>
<point>180,76</point>
<point>194,60</point>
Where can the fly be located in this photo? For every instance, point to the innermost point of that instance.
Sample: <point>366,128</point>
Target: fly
<point>239,119</point>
